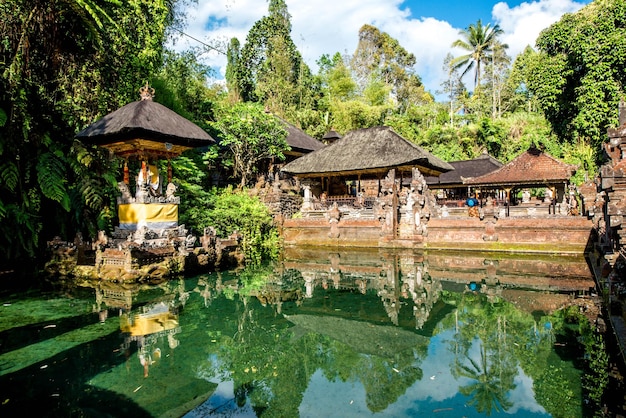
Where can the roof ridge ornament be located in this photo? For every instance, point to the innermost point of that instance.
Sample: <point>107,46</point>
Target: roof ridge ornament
<point>146,92</point>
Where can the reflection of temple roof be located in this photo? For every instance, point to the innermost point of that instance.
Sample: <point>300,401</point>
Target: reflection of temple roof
<point>467,168</point>
<point>370,150</point>
<point>533,167</point>
<point>363,337</point>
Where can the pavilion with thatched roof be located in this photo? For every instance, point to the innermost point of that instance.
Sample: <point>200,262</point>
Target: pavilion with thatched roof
<point>146,131</point>
<point>330,137</point>
<point>300,142</point>
<point>531,169</point>
<point>364,154</point>
<point>451,182</point>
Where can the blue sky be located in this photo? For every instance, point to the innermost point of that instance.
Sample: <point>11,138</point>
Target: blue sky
<point>458,13</point>
<point>424,28</point>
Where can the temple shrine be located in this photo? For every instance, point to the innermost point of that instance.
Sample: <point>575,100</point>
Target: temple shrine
<point>148,242</point>
<point>146,131</point>
<point>373,188</point>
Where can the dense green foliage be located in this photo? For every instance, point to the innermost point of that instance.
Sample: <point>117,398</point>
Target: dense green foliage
<point>509,338</point>
<point>579,74</point>
<point>269,68</point>
<point>250,136</point>
<point>237,211</point>
<point>62,63</point>
<point>224,209</point>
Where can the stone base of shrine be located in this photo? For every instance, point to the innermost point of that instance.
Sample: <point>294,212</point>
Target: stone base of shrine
<point>549,235</point>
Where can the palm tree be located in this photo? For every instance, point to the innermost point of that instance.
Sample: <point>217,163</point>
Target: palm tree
<point>478,40</point>
<point>492,381</point>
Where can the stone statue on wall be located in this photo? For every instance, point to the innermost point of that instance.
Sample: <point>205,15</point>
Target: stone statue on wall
<point>333,214</point>
<point>169,192</point>
<point>126,196</point>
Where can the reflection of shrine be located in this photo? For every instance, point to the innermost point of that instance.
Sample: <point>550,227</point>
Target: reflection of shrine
<point>152,326</point>
<point>408,284</point>
<point>402,284</point>
<point>420,287</point>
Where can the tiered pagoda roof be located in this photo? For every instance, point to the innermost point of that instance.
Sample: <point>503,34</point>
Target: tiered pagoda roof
<point>145,128</point>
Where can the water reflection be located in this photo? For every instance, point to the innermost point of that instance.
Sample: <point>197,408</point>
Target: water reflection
<point>323,334</point>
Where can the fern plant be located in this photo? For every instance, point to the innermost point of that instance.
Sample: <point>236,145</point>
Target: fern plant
<point>51,178</point>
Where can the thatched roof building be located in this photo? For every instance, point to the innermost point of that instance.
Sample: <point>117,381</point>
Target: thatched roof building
<point>300,142</point>
<point>476,167</point>
<point>533,168</point>
<point>330,137</point>
<point>370,151</point>
<point>145,128</point>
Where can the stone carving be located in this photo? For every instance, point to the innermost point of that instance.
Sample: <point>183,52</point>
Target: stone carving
<point>126,196</point>
<point>190,241</point>
<point>308,201</point>
<point>334,214</point>
<point>424,204</point>
<point>489,211</point>
<point>169,192</point>
<point>547,197</point>
<point>207,240</point>
<point>564,206</point>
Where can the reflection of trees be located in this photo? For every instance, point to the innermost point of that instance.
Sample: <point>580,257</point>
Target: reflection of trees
<point>482,323</point>
<point>491,382</point>
<point>271,360</point>
<point>506,338</point>
<point>385,380</point>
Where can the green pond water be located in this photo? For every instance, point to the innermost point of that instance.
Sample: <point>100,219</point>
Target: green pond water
<point>318,334</point>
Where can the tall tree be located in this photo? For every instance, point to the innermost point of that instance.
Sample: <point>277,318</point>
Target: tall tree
<point>580,74</point>
<point>478,41</point>
<point>380,58</point>
<point>453,87</point>
<point>518,80</point>
<point>251,135</point>
<point>497,74</point>
<point>233,57</point>
<point>337,78</point>
<point>270,69</point>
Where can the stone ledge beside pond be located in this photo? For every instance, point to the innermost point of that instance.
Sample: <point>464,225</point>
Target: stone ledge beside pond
<point>553,235</point>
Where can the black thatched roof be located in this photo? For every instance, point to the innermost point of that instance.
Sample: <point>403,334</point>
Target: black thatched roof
<point>145,120</point>
<point>299,141</point>
<point>464,169</point>
<point>372,150</point>
<point>331,136</point>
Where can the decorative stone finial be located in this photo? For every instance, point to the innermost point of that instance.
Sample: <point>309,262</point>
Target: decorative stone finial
<point>146,92</point>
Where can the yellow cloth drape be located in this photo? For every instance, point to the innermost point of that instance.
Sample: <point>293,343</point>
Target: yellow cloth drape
<point>133,213</point>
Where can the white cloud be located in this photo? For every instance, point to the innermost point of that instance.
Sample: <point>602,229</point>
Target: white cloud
<point>328,26</point>
<point>522,24</point>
